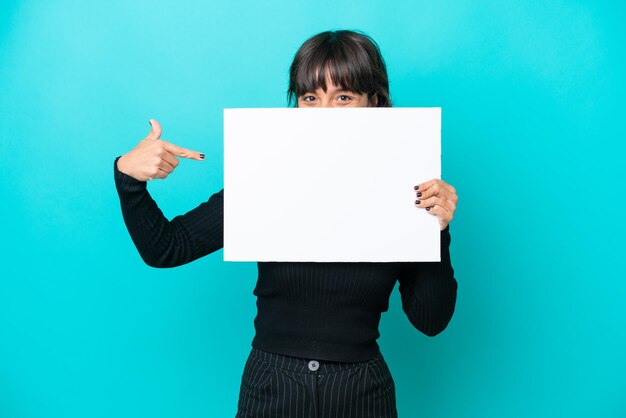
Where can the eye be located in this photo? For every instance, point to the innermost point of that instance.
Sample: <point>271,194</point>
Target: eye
<point>344,98</point>
<point>307,98</point>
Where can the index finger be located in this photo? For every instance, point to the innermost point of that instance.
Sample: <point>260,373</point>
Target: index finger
<point>425,185</point>
<point>182,152</point>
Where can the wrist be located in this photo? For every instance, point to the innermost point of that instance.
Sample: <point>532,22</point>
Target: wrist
<point>125,183</point>
<point>121,165</point>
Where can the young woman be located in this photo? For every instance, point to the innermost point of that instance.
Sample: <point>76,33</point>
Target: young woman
<point>314,353</point>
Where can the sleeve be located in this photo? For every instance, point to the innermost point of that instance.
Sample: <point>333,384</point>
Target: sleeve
<point>428,290</point>
<point>163,243</point>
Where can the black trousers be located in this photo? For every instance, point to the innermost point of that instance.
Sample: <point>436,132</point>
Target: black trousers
<point>276,385</point>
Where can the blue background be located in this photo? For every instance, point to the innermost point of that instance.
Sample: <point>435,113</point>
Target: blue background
<point>533,132</point>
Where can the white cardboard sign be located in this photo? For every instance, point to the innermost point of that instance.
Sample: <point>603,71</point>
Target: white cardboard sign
<point>329,184</point>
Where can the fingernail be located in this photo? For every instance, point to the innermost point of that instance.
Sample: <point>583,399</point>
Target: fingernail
<point>417,187</point>
<point>419,195</point>
<point>417,202</point>
<point>202,156</point>
<point>427,208</point>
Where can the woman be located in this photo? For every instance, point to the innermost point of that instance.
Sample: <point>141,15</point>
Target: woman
<point>315,351</point>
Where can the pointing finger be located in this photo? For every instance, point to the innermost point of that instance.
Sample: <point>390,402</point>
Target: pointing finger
<point>177,151</point>
<point>155,133</point>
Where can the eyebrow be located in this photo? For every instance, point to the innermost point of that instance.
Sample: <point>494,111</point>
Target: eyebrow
<point>340,90</point>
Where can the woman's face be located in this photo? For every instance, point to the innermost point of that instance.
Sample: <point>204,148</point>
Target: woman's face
<point>334,96</point>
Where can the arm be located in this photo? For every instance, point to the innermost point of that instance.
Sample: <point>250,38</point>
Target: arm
<point>428,290</point>
<point>163,243</point>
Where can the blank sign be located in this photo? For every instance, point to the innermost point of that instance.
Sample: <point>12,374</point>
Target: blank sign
<point>329,184</point>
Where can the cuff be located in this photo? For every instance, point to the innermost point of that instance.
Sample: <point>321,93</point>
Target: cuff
<point>445,237</point>
<point>125,183</point>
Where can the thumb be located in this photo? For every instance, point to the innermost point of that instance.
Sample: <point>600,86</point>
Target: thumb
<point>155,132</point>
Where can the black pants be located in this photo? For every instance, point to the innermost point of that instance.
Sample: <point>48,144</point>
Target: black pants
<point>275,385</point>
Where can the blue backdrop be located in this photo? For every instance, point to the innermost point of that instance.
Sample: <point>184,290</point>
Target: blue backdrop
<point>533,139</point>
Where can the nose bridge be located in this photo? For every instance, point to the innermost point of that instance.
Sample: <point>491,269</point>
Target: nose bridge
<point>327,102</point>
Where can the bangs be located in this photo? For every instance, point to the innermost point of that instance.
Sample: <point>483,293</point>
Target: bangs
<point>347,68</point>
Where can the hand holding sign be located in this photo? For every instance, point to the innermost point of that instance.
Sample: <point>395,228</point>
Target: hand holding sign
<point>153,157</point>
<point>439,198</point>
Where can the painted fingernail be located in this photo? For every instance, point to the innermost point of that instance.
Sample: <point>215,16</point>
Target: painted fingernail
<point>419,195</point>
<point>417,187</point>
<point>417,202</point>
<point>427,208</point>
<point>202,156</point>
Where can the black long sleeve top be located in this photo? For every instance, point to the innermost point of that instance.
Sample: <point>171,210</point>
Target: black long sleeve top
<point>327,311</point>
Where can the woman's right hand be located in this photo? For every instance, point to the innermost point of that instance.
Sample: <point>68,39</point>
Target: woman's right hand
<point>153,157</point>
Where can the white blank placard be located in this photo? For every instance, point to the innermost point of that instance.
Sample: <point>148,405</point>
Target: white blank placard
<point>329,184</point>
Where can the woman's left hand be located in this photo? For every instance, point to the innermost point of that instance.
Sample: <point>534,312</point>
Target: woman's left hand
<point>439,198</point>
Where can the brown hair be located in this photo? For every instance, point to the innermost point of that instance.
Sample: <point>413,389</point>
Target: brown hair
<point>352,59</point>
